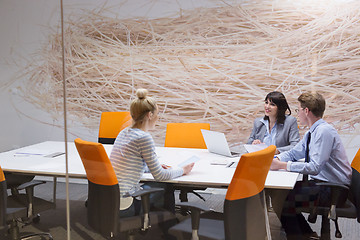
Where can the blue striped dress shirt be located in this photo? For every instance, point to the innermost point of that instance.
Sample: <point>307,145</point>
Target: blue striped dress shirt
<point>328,161</point>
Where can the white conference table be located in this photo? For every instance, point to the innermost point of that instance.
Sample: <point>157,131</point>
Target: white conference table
<point>26,160</point>
<point>34,160</point>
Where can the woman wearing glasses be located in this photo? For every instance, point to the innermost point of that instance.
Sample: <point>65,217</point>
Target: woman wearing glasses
<point>277,127</point>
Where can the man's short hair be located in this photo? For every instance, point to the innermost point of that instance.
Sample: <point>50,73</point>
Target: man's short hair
<point>315,102</point>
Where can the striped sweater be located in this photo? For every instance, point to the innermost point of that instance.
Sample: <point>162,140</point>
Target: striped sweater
<point>133,150</point>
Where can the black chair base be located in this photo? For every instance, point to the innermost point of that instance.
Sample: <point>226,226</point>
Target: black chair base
<point>14,233</point>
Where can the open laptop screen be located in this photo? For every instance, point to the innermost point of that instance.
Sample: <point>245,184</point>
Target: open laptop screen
<point>216,143</point>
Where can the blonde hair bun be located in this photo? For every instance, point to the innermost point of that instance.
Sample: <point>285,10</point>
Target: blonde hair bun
<point>141,93</point>
<point>141,105</point>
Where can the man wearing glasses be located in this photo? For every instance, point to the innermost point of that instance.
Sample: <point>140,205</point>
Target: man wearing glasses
<point>325,161</point>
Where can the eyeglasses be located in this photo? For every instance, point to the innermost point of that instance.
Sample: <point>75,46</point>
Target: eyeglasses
<point>297,110</point>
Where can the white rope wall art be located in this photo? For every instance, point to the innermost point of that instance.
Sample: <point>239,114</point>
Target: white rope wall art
<point>206,65</point>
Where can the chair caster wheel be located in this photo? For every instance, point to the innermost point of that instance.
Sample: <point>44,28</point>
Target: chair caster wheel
<point>36,219</point>
<point>338,234</point>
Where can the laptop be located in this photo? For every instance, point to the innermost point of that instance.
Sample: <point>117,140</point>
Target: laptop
<point>216,143</point>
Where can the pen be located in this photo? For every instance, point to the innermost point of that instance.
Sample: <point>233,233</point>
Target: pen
<point>27,154</point>
<point>165,166</point>
<point>230,164</point>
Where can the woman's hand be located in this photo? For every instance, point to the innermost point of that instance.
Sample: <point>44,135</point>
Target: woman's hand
<point>256,141</point>
<point>188,168</point>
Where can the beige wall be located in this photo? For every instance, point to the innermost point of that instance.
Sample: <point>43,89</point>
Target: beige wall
<point>226,90</point>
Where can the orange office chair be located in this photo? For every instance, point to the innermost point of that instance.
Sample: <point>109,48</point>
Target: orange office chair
<point>111,123</point>
<point>186,135</point>
<point>244,206</point>
<point>351,208</point>
<point>104,196</point>
<point>20,208</point>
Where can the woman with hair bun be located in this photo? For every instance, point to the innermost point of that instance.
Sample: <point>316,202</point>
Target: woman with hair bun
<point>276,127</point>
<point>134,153</point>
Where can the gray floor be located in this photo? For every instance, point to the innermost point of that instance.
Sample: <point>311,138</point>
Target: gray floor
<point>79,229</point>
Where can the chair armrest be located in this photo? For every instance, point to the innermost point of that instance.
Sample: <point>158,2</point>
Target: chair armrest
<point>145,197</point>
<point>145,203</point>
<point>333,185</point>
<point>195,209</point>
<point>194,206</point>
<point>143,192</point>
<point>338,193</point>
<point>32,184</point>
<point>29,188</point>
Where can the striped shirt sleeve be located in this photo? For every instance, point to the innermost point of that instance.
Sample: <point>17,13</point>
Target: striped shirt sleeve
<point>147,151</point>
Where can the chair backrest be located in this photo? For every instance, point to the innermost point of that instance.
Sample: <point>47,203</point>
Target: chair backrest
<point>243,204</point>
<point>3,198</point>
<point>103,189</point>
<point>185,135</point>
<point>355,183</point>
<point>111,123</point>
<point>355,164</point>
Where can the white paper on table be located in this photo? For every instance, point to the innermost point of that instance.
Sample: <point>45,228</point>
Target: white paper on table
<point>36,152</point>
<point>191,159</point>
<point>255,147</point>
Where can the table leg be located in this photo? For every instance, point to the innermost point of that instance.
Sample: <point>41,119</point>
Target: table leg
<point>54,190</point>
<point>267,224</point>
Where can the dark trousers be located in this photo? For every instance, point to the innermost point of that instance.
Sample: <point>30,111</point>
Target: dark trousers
<point>164,200</point>
<point>303,197</point>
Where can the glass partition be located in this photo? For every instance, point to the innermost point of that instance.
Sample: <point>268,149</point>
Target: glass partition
<point>27,118</point>
<point>204,61</point>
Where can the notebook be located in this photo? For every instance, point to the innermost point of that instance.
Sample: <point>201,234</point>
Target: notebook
<point>216,143</point>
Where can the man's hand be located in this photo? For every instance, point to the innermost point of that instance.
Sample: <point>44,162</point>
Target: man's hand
<point>277,164</point>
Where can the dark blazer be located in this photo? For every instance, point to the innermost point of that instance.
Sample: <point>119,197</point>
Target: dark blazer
<point>287,134</point>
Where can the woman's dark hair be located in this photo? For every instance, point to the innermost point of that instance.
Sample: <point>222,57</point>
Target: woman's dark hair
<point>280,101</point>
